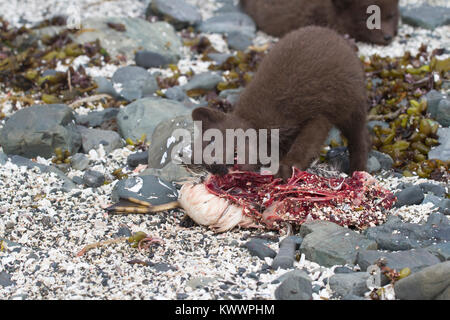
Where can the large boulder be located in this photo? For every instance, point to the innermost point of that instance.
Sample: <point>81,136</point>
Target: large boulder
<point>38,130</point>
<point>139,34</point>
<point>142,116</point>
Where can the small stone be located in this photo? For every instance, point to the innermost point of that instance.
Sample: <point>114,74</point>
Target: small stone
<point>176,93</point>
<point>148,59</point>
<point>294,287</point>
<point>177,12</point>
<point>384,160</point>
<point>5,279</point>
<point>104,86</point>
<point>443,112</point>
<point>410,196</point>
<point>343,270</point>
<point>123,232</point>
<point>93,179</point>
<point>96,118</point>
<point>354,283</point>
<point>239,41</point>
<point>79,161</point>
<point>259,249</point>
<point>137,158</point>
<point>433,188</point>
<point>203,81</point>
<point>373,165</point>
<point>433,99</point>
<point>134,83</point>
<point>199,282</point>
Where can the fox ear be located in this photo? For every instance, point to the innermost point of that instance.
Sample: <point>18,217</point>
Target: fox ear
<point>342,4</point>
<point>208,116</point>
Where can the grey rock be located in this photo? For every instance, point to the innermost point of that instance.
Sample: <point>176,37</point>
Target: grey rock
<point>171,172</point>
<point>38,130</point>
<point>93,179</point>
<point>176,93</point>
<point>96,118</point>
<point>354,283</point>
<point>441,152</point>
<point>92,138</point>
<point>338,158</point>
<point>177,12</point>
<point>142,116</point>
<point>164,141</point>
<point>340,270</point>
<point>440,250</point>
<point>229,22</point>
<point>415,259</point>
<point>294,287</point>
<point>409,196</point>
<point>318,225</point>
<point>433,188</point>
<point>433,99</point>
<point>203,81</point>
<point>139,35</point>
<point>437,201</point>
<point>152,189</point>
<point>5,279</point>
<point>78,180</point>
<point>384,160</point>
<point>286,255</point>
<point>239,41</point>
<point>373,165</point>
<point>135,82</point>
<point>259,249</point>
<point>149,59</point>
<point>425,16</point>
<point>137,158</point>
<point>105,86</point>
<point>443,113</point>
<point>424,285</point>
<point>228,6</point>
<point>79,161</point>
<point>340,247</point>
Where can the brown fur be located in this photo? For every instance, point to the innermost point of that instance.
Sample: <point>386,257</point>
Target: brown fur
<point>310,80</point>
<point>278,17</point>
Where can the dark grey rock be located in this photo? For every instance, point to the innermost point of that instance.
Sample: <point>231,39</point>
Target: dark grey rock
<point>78,180</point>
<point>259,249</point>
<point>340,270</point>
<point>38,130</point>
<point>409,196</point>
<point>229,22</point>
<point>433,99</point>
<point>79,161</point>
<point>135,82</point>
<point>104,86</point>
<point>437,201</point>
<point>97,118</point>
<point>415,259</point>
<point>286,255</point>
<point>425,16</point>
<point>433,188</point>
<point>149,59</point>
<point>142,116</point>
<point>137,158</point>
<point>176,93</point>
<point>171,172</point>
<point>239,41</point>
<point>384,160</point>
<point>163,267</point>
<point>340,247</point>
<point>441,152</point>
<point>92,138</point>
<point>443,113</point>
<point>295,286</point>
<point>203,81</point>
<point>424,285</point>
<point>177,12</point>
<point>123,232</point>
<point>440,250</point>
<point>338,158</point>
<point>93,179</point>
<point>5,279</point>
<point>152,189</point>
<point>139,35</point>
<point>318,225</point>
<point>354,283</point>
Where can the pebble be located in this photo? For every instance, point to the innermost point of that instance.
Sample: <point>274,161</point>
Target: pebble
<point>295,287</point>
<point>134,83</point>
<point>409,196</point>
<point>93,179</point>
<point>426,16</point>
<point>149,59</point>
<point>354,283</point>
<point>137,158</point>
<point>177,12</point>
<point>257,248</point>
<point>79,161</point>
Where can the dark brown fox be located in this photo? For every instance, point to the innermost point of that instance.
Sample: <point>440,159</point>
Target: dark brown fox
<point>278,17</point>
<point>309,81</point>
